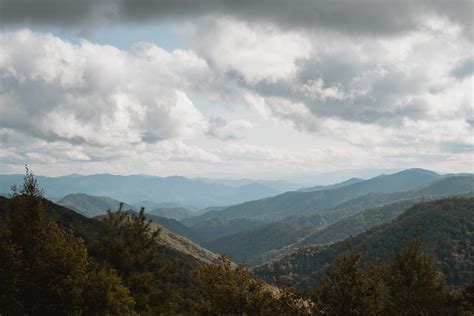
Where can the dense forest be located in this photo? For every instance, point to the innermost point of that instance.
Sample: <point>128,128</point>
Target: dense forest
<point>58,262</point>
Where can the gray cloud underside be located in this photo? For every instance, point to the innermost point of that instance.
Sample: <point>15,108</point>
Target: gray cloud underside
<point>355,17</point>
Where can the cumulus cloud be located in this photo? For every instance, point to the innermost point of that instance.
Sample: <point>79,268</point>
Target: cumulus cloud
<point>95,94</point>
<point>383,82</point>
<point>280,87</point>
<point>256,53</point>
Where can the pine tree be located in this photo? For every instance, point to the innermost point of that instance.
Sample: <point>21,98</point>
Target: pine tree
<point>128,243</point>
<point>222,289</point>
<point>415,286</point>
<point>347,288</point>
<point>46,270</point>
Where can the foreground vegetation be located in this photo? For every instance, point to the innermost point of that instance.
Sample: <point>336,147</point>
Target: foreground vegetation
<point>48,269</point>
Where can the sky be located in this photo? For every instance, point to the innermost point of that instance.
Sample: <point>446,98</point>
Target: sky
<point>220,88</point>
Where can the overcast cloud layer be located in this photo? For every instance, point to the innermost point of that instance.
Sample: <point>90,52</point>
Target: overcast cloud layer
<point>261,88</point>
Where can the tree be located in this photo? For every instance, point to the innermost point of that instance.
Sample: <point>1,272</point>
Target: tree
<point>222,289</point>
<point>46,270</point>
<point>415,287</point>
<point>128,243</point>
<point>347,288</point>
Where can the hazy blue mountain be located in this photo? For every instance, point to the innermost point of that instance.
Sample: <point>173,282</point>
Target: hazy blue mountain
<point>212,208</point>
<point>445,227</point>
<point>332,186</point>
<point>278,185</point>
<point>349,218</point>
<point>150,205</point>
<point>299,203</point>
<point>177,213</point>
<point>179,190</point>
<point>90,205</point>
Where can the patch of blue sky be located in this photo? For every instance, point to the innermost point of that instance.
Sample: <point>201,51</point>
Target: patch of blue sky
<point>122,37</point>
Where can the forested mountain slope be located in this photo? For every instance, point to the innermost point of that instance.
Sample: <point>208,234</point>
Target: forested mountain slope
<point>445,226</point>
<point>257,245</point>
<point>177,247</point>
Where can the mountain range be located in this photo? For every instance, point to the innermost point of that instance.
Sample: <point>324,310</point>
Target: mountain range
<point>274,208</point>
<point>179,191</point>
<point>445,227</point>
<point>290,237</point>
<point>263,242</point>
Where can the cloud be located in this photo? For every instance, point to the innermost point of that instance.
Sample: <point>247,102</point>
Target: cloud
<point>224,130</point>
<point>352,17</point>
<point>94,94</point>
<point>255,53</point>
<point>251,92</point>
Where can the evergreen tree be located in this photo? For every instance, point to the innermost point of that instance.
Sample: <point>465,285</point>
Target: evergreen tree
<point>46,270</point>
<point>415,286</point>
<point>222,289</point>
<point>347,288</point>
<point>128,243</point>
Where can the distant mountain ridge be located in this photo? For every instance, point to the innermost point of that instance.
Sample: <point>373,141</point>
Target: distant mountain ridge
<point>349,218</point>
<point>332,186</point>
<point>179,190</point>
<point>299,203</point>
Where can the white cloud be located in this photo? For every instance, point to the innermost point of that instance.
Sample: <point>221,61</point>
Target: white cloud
<point>316,100</point>
<point>97,94</point>
<point>257,52</point>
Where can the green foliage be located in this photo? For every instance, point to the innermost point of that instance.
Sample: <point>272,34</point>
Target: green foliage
<point>128,243</point>
<point>350,289</point>
<point>224,290</point>
<point>445,227</point>
<point>415,286</point>
<point>46,270</point>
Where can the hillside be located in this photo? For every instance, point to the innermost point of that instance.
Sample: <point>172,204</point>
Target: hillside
<point>181,191</point>
<point>184,245</point>
<point>90,205</point>
<point>83,226</point>
<point>175,227</point>
<point>445,227</point>
<point>249,245</point>
<point>257,245</point>
<point>358,223</point>
<point>216,227</point>
<point>299,203</point>
<point>174,246</point>
<point>177,213</point>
